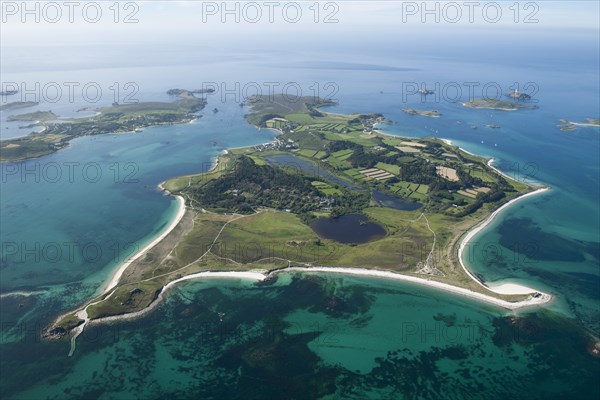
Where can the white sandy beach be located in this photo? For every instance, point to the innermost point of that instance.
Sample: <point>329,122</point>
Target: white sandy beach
<point>506,288</point>
<point>543,298</point>
<point>116,276</point>
<point>260,275</point>
<point>249,275</point>
<point>449,143</point>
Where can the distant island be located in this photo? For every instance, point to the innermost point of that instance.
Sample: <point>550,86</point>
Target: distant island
<point>569,126</point>
<point>423,113</point>
<point>37,116</point>
<point>15,105</point>
<point>401,207</point>
<point>179,92</point>
<point>114,119</point>
<point>516,95</point>
<point>9,92</point>
<point>497,104</point>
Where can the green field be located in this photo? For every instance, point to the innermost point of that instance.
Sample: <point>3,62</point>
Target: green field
<point>392,169</point>
<point>326,188</point>
<point>342,154</point>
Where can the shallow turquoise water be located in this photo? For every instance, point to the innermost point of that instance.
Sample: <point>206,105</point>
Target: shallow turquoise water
<point>313,336</point>
<point>364,338</point>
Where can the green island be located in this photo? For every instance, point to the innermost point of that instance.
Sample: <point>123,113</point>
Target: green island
<point>260,209</point>
<point>423,113</point>
<point>497,104</point>
<point>115,119</point>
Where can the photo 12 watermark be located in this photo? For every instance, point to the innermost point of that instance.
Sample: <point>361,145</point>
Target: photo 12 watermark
<point>469,91</point>
<point>253,12</point>
<point>69,172</point>
<point>66,252</point>
<point>54,12</point>
<point>470,12</point>
<point>73,92</point>
<point>269,91</point>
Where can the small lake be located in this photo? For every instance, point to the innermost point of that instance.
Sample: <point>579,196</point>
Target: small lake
<point>290,160</point>
<point>385,200</point>
<point>350,228</point>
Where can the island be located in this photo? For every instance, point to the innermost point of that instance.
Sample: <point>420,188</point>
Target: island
<point>497,104</point>
<point>569,126</point>
<point>36,116</point>
<point>179,92</point>
<point>516,95</point>
<point>117,118</point>
<point>423,113</point>
<point>15,105</point>
<point>330,193</point>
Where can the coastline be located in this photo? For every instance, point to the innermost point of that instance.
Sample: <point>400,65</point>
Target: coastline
<point>260,275</point>
<point>544,298</point>
<point>535,297</point>
<point>449,143</point>
<point>490,161</point>
<point>116,275</point>
<point>108,286</point>
<point>252,275</point>
<point>506,288</point>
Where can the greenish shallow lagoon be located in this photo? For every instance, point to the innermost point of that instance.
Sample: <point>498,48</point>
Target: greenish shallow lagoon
<point>312,336</point>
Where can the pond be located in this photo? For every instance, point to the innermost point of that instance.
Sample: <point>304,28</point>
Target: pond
<point>385,200</point>
<point>350,228</point>
<point>290,160</point>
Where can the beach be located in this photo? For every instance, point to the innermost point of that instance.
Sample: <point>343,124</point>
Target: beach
<point>249,275</point>
<point>507,288</point>
<point>542,299</point>
<point>116,276</point>
<point>260,275</point>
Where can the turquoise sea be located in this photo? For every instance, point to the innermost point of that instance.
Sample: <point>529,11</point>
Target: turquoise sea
<point>307,336</point>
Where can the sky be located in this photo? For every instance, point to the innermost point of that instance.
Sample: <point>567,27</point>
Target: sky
<point>107,22</point>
